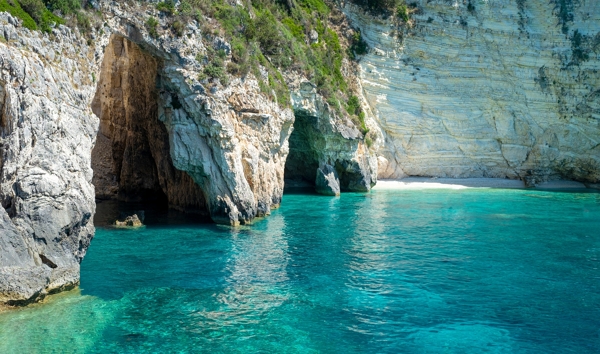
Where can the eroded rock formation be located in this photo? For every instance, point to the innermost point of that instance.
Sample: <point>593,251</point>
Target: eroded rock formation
<point>327,181</point>
<point>47,131</point>
<point>323,138</point>
<point>496,89</point>
<point>131,159</point>
<point>231,141</point>
<point>161,132</point>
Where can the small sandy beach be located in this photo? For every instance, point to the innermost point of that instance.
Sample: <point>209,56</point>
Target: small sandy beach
<point>462,183</point>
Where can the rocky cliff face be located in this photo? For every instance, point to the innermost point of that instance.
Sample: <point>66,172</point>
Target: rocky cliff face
<point>158,130</point>
<point>47,131</point>
<point>231,140</point>
<point>321,139</point>
<point>497,88</point>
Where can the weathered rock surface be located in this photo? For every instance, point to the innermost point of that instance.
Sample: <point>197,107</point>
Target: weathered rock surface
<point>327,181</point>
<point>47,131</point>
<point>160,133</point>
<point>130,221</point>
<point>231,141</point>
<point>321,137</point>
<point>506,89</point>
<point>131,159</point>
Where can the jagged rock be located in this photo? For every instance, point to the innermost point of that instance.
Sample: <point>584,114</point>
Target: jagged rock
<point>327,181</point>
<point>161,133</point>
<point>130,221</point>
<point>46,136</point>
<point>131,159</point>
<point>235,157</point>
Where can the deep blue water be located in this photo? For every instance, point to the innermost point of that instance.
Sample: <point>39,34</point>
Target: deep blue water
<point>430,271</point>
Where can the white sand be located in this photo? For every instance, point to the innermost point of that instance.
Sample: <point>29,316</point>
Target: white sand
<point>462,183</point>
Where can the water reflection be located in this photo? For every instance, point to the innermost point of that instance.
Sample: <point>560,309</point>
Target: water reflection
<point>257,268</point>
<point>385,272</point>
<point>381,296</point>
<point>256,280</point>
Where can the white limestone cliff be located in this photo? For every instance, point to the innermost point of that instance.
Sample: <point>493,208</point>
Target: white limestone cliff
<point>500,88</point>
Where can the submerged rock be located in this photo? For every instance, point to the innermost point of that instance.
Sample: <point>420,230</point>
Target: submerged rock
<point>327,181</point>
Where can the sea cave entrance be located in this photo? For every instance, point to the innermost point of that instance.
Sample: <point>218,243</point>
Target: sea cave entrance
<point>323,159</point>
<point>303,160</point>
<point>131,159</point>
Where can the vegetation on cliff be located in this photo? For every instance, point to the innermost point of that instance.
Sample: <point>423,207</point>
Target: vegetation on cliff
<point>295,35</point>
<point>45,14</point>
<point>397,8</point>
<point>267,37</point>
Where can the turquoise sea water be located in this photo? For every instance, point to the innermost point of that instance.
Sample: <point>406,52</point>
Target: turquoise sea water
<point>431,271</point>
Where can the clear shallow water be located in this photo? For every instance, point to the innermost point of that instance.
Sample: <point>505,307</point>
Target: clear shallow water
<point>439,271</point>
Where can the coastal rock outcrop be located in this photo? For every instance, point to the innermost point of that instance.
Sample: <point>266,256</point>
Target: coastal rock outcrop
<point>47,131</point>
<point>486,89</point>
<point>321,137</point>
<point>462,89</point>
<point>131,159</point>
<point>230,141</point>
<point>129,103</point>
<point>130,221</point>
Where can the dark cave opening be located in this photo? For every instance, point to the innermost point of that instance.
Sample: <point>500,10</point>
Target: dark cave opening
<point>302,161</point>
<point>323,161</point>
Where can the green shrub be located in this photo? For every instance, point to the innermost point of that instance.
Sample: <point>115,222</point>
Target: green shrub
<point>178,27</point>
<point>275,39</point>
<point>64,6</point>
<point>296,29</point>
<point>239,50</point>
<point>214,70</point>
<point>354,109</point>
<point>83,22</point>
<point>353,105</point>
<point>265,31</point>
<point>166,6</point>
<point>33,13</point>
<point>151,25</point>
<point>35,8</point>
<point>15,10</point>
<point>362,124</point>
<point>317,5</point>
<point>402,12</point>
<point>358,46</point>
<point>334,103</point>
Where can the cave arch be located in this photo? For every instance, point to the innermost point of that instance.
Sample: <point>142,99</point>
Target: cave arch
<point>131,159</point>
<point>329,158</point>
